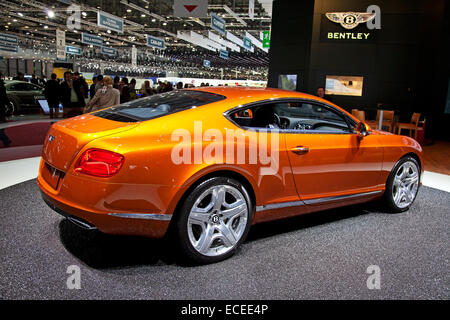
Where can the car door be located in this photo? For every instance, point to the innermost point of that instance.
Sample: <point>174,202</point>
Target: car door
<point>34,93</point>
<point>327,157</point>
<point>23,92</point>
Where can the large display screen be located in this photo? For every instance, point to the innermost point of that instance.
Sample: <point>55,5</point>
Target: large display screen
<point>344,85</point>
<point>287,81</point>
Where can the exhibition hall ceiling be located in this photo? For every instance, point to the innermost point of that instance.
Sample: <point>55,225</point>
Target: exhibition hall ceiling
<point>36,22</point>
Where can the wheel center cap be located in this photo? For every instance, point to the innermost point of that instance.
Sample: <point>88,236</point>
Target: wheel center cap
<point>215,218</point>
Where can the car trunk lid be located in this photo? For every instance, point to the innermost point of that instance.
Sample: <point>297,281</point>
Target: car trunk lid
<point>67,137</point>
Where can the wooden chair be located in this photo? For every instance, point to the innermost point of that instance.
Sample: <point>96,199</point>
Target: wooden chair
<point>388,120</point>
<point>412,126</point>
<point>359,114</point>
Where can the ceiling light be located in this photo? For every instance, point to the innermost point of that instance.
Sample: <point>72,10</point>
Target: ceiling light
<point>20,14</point>
<point>143,15</point>
<point>153,20</point>
<point>128,10</point>
<point>165,24</point>
<point>50,14</point>
<point>84,14</point>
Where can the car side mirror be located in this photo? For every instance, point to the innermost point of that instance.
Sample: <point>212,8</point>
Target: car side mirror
<point>362,130</point>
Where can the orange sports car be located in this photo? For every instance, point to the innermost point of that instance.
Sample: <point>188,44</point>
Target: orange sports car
<point>208,163</point>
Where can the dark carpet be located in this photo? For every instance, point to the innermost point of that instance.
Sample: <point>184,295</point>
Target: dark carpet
<point>319,256</point>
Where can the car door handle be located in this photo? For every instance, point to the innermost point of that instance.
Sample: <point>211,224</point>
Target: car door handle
<point>300,150</point>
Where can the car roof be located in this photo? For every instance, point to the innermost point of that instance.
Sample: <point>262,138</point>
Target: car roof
<point>16,81</point>
<point>245,95</point>
<point>259,94</point>
<point>11,82</point>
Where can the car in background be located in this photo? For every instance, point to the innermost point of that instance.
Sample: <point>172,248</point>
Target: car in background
<point>24,96</point>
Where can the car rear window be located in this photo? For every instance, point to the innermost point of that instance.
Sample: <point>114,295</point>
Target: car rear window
<point>158,105</point>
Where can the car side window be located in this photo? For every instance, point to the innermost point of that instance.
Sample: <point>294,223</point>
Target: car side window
<point>260,116</point>
<point>32,87</point>
<point>307,116</point>
<point>292,116</point>
<point>19,87</point>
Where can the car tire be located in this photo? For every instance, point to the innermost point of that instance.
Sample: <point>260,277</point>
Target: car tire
<point>213,220</point>
<point>11,108</point>
<point>402,185</point>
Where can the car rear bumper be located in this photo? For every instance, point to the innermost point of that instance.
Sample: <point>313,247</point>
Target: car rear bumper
<point>132,224</point>
<point>99,208</point>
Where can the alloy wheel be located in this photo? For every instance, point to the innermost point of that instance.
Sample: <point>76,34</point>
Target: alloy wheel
<point>217,220</point>
<point>405,184</point>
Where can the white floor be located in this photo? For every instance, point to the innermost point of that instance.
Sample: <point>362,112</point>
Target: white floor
<point>17,171</point>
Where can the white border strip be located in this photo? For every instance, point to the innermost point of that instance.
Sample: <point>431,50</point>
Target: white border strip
<point>18,171</point>
<point>436,180</point>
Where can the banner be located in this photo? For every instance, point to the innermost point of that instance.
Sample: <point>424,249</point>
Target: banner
<point>223,54</point>
<point>251,9</point>
<point>190,8</point>
<point>73,50</point>
<point>155,42</point>
<point>247,43</point>
<point>266,39</point>
<point>60,44</point>
<point>108,21</point>
<point>218,23</point>
<point>9,43</point>
<point>134,56</point>
<point>8,48</point>
<point>109,51</point>
<point>87,38</point>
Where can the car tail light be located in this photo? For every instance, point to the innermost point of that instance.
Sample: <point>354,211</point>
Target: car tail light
<point>99,163</point>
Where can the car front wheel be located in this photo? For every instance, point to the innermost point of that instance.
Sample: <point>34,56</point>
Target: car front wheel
<point>214,220</point>
<point>402,185</point>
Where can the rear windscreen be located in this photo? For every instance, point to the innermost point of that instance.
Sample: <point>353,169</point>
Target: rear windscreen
<point>158,105</point>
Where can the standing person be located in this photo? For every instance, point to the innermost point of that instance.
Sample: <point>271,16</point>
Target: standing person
<point>4,102</point>
<point>168,87</point>
<point>160,87</point>
<point>125,90</point>
<point>34,80</point>
<point>105,97</point>
<point>51,93</point>
<point>133,94</point>
<point>71,96</point>
<point>116,84</point>
<point>19,77</point>
<point>99,83</point>
<point>84,87</point>
<point>92,88</point>
<point>148,89</point>
<point>321,94</point>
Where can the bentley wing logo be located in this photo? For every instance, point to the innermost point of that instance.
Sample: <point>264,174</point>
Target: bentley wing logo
<point>350,20</point>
